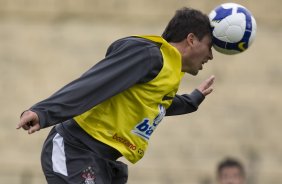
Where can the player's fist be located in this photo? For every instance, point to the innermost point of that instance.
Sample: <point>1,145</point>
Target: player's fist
<point>29,121</point>
<point>206,86</point>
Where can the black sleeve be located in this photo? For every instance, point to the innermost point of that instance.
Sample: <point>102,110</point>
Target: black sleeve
<point>187,103</point>
<point>128,61</point>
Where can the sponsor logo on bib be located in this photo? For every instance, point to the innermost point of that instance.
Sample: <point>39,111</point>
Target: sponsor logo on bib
<point>145,128</point>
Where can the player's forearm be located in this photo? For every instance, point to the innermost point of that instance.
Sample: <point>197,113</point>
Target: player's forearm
<point>187,103</point>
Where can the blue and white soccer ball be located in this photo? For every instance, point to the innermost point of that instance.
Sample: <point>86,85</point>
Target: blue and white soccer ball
<point>234,28</point>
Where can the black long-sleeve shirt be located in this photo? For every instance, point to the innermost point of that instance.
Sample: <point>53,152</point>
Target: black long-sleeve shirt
<point>128,61</point>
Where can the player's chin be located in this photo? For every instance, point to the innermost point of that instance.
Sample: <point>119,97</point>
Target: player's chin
<point>194,72</point>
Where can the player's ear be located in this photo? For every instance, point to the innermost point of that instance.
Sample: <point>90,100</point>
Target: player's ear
<point>191,38</point>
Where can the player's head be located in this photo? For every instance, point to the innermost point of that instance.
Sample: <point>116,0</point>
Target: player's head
<point>189,31</point>
<point>230,171</point>
<point>185,21</point>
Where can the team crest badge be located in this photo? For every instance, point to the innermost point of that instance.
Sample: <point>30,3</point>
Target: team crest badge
<point>89,176</point>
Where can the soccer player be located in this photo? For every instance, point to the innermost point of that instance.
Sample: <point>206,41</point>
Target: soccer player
<point>112,109</point>
<point>230,171</point>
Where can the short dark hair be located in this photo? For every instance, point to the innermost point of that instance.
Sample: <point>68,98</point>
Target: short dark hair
<point>230,162</point>
<point>185,21</point>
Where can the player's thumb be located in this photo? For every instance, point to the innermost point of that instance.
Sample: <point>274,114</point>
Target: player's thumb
<point>208,91</point>
<point>33,129</point>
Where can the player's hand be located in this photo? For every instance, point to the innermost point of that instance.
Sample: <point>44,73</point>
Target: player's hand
<point>206,86</point>
<point>29,121</point>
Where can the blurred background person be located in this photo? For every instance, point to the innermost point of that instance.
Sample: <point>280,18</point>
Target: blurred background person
<point>231,171</point>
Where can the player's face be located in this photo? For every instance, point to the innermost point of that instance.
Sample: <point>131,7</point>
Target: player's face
<point>199,53</point>
<point>230,175</point>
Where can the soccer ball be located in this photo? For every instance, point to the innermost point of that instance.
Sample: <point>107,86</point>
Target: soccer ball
<point>234,28</point>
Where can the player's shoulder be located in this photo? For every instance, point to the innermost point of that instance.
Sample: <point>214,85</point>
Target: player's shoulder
<point>137,41</point>
<point>136,44</point>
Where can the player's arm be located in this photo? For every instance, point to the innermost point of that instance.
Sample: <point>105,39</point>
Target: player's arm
<point>187,103</point>
<point>127,62</point>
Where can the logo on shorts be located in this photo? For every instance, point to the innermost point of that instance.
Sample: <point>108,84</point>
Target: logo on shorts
<point>89,176</point>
